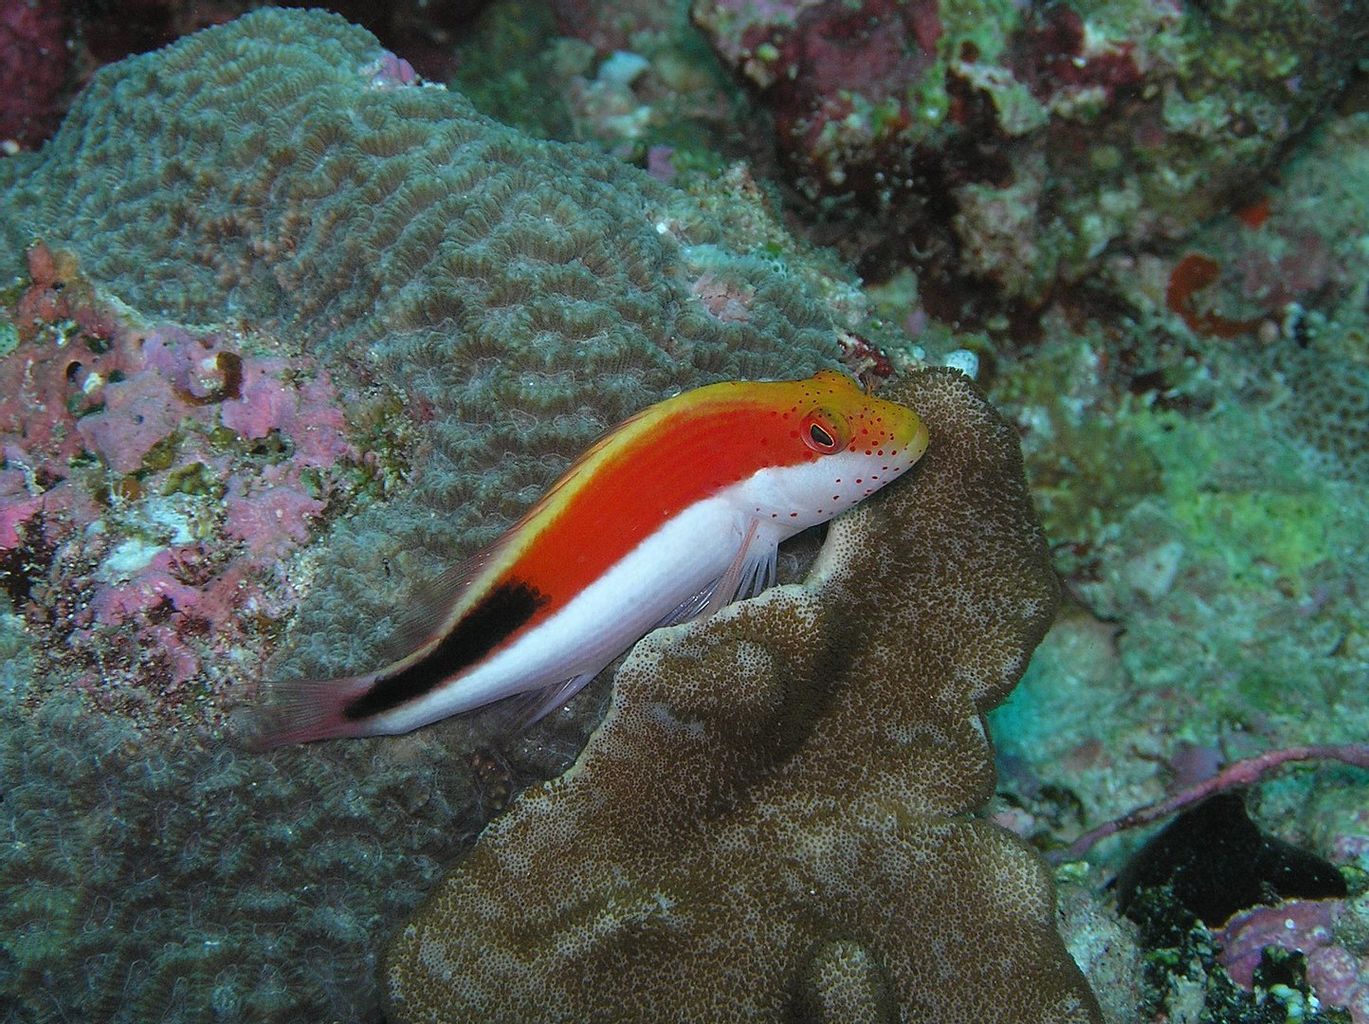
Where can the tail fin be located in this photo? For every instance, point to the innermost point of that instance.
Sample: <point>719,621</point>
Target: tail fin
<point>304,710</point>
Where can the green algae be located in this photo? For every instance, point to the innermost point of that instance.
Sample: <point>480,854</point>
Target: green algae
<point>1282,516</point>
<point>194,478</point>
<point>1088,466</point>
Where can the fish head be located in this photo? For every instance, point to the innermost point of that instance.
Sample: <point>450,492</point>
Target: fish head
<point>836,446</point>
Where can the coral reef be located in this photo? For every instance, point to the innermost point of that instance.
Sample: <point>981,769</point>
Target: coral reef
<point>47,49</point>
<point>1187,968</point>
<point>1203,490</point>
<point>1203,496</point>
<point>1012,143</point>
<point>298,331</point>
<point>798,770</point>
<point>1236,582</point>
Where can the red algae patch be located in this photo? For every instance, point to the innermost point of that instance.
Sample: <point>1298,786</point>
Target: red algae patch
<point>156,478</point>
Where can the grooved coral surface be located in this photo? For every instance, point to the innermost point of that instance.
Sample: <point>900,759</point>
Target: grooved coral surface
<point>520,296</point>
<point>480,306</point>
<point>774,822</point>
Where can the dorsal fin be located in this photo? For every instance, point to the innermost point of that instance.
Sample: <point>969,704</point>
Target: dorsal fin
<point>433,604</point>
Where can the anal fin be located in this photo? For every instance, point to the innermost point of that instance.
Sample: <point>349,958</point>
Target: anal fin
<point>526,709</point>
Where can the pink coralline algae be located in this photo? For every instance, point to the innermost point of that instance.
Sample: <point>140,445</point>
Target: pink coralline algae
<point>35,66</point>
<point>269,514</point>
<point>1338,977</point>
<point>153,477</point>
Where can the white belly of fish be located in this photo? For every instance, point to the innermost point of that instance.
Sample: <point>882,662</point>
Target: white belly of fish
<point>680,559</point>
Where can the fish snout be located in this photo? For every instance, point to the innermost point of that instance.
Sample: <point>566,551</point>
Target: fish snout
<point>908,434</point>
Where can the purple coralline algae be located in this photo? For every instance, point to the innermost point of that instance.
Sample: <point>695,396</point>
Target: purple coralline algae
<point>1320,930</point>
<point>152,475</point>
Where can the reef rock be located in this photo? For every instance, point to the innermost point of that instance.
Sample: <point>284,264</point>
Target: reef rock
<point>1012,143</point>
<point>774,822</point>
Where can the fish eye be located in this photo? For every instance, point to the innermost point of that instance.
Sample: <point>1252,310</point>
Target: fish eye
<point>823,432</point>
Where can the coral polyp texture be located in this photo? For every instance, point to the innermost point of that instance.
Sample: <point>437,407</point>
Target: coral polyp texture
<point>1012,143</point>
<point>283,330</point>
<point>774,822</point>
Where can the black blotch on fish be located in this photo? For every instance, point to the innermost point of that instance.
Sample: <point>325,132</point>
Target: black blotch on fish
<point>500,614</point>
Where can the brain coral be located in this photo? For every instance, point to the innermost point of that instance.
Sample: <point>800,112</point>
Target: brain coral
<point>773,823</point>
<point>483,305</point>
<point>517,296</point>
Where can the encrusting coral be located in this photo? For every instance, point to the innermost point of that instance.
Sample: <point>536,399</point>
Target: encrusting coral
<point>774,821</point>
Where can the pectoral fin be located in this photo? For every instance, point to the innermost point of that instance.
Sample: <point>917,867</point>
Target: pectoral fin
<point>751,571</point>
<point>529,708</point>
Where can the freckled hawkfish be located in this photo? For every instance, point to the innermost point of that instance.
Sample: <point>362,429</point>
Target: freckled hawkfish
<point>669,516</point>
